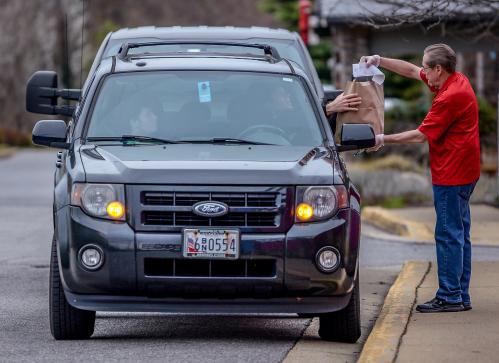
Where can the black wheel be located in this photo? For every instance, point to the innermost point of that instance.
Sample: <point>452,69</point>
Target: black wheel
<point>66,322</point>
<point>343,325</point>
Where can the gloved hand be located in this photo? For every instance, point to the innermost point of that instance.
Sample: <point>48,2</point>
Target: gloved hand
<point>370,60</point>
<point>380,142</point>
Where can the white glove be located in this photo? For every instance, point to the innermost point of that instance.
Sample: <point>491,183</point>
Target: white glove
<point>380,142</point>
<point>370,60</point>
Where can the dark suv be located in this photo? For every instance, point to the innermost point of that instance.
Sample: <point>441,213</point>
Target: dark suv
<point>199,182</point>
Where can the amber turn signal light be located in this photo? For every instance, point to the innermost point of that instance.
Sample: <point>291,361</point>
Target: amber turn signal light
<point>304,212</point>
<point>115,210</point>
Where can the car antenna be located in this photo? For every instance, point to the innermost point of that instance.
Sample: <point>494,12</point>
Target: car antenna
<point>66,69</point>
<point>81,52</point>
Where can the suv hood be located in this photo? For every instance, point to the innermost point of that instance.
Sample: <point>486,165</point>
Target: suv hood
<point>209,164</point>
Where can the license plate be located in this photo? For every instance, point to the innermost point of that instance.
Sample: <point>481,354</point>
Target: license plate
<point>211,243</point>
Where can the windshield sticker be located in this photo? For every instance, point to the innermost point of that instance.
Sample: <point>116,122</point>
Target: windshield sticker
<point>287,79</point>
<point>204,91</point>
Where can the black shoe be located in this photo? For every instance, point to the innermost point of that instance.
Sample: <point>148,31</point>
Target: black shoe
<point>437,305</point>
<point>467,306</point>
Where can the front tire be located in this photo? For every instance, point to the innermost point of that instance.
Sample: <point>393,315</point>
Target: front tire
<point>343,325</point>
<point>66,322</point>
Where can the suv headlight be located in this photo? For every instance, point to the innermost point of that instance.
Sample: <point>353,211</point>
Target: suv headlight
<point>100,200</point>
<point>317,203</point>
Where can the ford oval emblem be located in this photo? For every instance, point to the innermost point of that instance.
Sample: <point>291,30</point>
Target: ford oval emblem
<point>210,209</point>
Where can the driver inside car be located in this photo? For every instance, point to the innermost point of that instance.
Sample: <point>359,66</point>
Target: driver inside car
<point>261,113</point>
<point>144,121</point>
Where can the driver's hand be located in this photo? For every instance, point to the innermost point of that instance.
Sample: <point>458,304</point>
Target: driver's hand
<point>343,103</point>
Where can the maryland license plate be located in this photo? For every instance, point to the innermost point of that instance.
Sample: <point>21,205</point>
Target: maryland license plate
<point>211,243</point>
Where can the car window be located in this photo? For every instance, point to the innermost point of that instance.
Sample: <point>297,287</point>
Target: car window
<point>198,105</point>
<point>197,48</point>
<point>288,49</point>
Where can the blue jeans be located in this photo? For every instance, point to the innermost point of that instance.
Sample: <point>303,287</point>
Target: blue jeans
<point>452,236</point>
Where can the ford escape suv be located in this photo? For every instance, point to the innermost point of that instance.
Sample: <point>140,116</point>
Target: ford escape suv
<point>199,182</point>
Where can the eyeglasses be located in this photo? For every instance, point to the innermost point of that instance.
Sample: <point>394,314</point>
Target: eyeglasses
<point>425,69</point>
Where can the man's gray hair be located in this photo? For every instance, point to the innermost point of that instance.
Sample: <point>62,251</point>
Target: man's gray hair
<point>441,54</point>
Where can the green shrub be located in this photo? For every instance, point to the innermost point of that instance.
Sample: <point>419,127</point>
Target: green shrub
<point>394,202</point>
<point>487,116</point>
<point>399,201</point>
<point>285,11</point>
<point>320,54</point>
<point>14,137</point>
<point>390,162</point>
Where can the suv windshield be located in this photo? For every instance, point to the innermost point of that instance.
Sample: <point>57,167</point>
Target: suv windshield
<point>204,105</point>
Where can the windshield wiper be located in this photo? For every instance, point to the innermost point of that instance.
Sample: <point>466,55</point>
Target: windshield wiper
<point>128,138</point>
<point>225,140</point>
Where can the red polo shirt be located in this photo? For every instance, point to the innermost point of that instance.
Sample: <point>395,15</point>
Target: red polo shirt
<point>451,127</point>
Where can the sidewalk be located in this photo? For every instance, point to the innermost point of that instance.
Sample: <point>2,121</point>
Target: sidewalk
<point>402,334</point>
<point>418,224</point>
<point>470,336</point>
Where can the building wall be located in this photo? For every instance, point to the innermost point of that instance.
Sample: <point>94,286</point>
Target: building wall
<point>348,46</point>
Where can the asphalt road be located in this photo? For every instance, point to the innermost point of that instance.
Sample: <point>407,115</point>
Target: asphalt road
<point>25,235</point>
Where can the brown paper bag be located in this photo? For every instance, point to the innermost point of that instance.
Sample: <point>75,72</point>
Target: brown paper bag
<point>371,110</point>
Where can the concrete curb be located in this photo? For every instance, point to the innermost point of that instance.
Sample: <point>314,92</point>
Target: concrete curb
<point>384,340</point>
<point>371,231</point>
<point>368,230</point>
<point>391,223</point>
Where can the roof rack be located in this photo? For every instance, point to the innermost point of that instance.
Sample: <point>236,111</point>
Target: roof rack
<point>269,52</point>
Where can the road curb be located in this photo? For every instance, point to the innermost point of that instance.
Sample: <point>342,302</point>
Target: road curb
<point>390,222</point>
<point>384,340</point>
<point>370,231</point>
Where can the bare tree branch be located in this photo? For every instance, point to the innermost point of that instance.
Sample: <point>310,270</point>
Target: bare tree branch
<point>467,19</point>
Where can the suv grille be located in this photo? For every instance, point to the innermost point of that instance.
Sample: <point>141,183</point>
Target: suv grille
<point>209,268</point>
<point>188,199</point>
<point>157,207</point>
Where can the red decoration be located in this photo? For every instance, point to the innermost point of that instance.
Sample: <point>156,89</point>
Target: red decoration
<point>304,13</point>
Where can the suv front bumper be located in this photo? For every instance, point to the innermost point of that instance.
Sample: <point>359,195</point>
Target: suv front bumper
<point>122,285</point>
<point>287,305</point>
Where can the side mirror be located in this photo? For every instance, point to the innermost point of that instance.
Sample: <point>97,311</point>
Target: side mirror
<point>50,133</point>
<point>356,136</point>
<point>42,95</point>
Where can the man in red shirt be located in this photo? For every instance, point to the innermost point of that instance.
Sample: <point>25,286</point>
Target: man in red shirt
<point>451,130</point>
